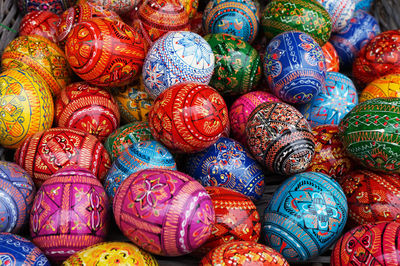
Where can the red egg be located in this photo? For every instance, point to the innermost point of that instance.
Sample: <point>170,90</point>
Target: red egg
<point>188,117</point>
<point>43,23</point>
<point>45,152</point>
<point>105,52</point>
<point>331,57</point>
<point>88,108</point>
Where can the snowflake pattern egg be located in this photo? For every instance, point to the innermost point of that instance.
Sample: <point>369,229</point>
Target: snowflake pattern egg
<point>341,11</point>
<point>43,23</point>
<point>386,86</point>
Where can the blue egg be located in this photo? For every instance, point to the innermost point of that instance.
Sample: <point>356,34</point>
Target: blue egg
<point>227,164</point>
<point>364,5</point>
<point>139,156</point>
<point>16,250</point>
<point>335,100</point>
<point>305,216</point>
<point>294,65</point>
<point>359,31</point>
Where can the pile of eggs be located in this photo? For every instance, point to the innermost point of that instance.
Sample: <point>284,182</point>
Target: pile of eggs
<point>163,125</point>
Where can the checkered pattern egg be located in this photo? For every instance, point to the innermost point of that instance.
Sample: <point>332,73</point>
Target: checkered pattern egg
<point>40,55</point>
<point>88,108</point>
<point>375,59</point>
<point>227,164</point>
<point>369,244</point>
<point>70,212</point>
<point>331,57</point>
<point>386,86</point>
<point>111,253</point>
<point>330,157</point>
<point>280,138</point>
<point>55,6</point>
<point>305,216</point>
<point>294,65</point>
<point>45,152</point>
<point>26,106</point>
<point>120,140</point>
<point>370,134</point>
<point>105,52</point>
<point>188,117</point>
<point>236,218</point>
<point>334,101</point>
<point>140,155</point>
<point>17,250</point>
<point>16,195</point>
<point>340,11</point>
<point>243,253</point>
<point>359,31</point>
<point>120,6</point>
<point>164,212</point>
<point>43,23</point>
<point>241,109</point>
<point>178,56</point>
<point>237,64</point>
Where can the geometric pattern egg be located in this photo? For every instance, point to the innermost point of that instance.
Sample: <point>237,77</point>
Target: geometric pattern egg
<point>340,11</point>
<point>386,86</point>
<point>178,56</point>
<point>305,216</point>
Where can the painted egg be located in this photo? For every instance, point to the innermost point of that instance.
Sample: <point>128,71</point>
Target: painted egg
<point>69,213</point>
<point>236,17</point>
<point>237,64</point>
<point>88,108</point>
<point>157,17</point>
<point>241,109</point>
<point>40,55</point>
<point>330,157</point>
<point>340,11</point>
<point>305,216</point>
<point>378,57</point>
<point>16,195</point>
<point>332,62</point>
<point>372,197</point>
<point>26,106</point>
<point>196,24</point>
<point>243,253</point>
<point>43,23</point>
<point>133,101</point>
<point>45,152</point>
<point>368,244</point>
<point>140,155</point>
<point>55,6</point>
<point>178,56</point>
<point>386,86</point>
<point>348,42</point>
<point>188,117</point>
<point>236,219</point>
<point>125,136</point>
<point>79,13</point>
<point>164,212</point>
<point>297,15</point>
<point>294,65</point>
<point>370,134</point>
<point>120,6</point>
<point>227,164</point>
<point>111,253</point>
<point>364,4</point>
<point>105,52</point>
<point>280,138</point>
<point>190,7</point>
<point>16,250</point>
<point>334,101</point>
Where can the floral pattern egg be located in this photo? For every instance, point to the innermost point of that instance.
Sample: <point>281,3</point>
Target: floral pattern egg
<point>16,195</point>
<point>227,164</point>
<point>306,215</point>
<point>236,17</point>
<point>280,138</point>
<point>368,244</point>
<point>340,11</point>
<point>105,52</point>
<point>164,212</point>
<point>332,62</point>
<point>237,64</point>
<point>335,100</point>
<point>42,23</point>
<point>55,6</point>
<point>294,65</point>
<point>17,250</point>
<point>386,86</point>
<point>178,56</point>
<point>69,213</point>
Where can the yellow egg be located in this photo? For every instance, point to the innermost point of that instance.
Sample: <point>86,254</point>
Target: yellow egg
<point>111,253</point>
<point>26,106</point>
<point>41,55</point>
<point>386,86</point>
